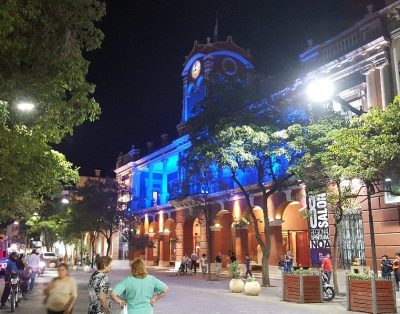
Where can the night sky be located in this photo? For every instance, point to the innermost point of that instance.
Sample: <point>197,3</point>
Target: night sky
<point>138,69</point>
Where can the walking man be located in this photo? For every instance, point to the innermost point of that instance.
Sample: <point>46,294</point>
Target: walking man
<point>203,264</point>
<point>194,257</point>
<point>218,264</point>
<point>327,267</point>
<point>248,265</point>
<point>33,263</point>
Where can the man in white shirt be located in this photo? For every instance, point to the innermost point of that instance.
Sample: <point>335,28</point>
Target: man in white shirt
<point>33,263</point>
<point>193,257</point>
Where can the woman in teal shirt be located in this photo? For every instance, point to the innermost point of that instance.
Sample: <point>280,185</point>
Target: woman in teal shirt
<point>140,291</point>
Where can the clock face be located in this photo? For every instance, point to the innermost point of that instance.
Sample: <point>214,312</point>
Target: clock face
<point>196,67</point>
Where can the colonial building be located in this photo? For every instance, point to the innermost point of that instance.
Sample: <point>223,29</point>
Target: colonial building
<point>362,62</point>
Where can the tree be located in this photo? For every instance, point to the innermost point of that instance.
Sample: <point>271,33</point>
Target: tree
<point>314,170</point>
<point>100,206</point>
<point>232,129</point>
<point>367,150</point>
<point>42,61</point>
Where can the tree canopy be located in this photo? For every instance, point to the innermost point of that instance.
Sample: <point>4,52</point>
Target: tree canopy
<point>42,61</point>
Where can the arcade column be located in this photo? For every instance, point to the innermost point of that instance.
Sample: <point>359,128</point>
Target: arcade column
<point>241,244</point>
<point>165,248</point>
<point>216,243</point>
<point>149,250</point>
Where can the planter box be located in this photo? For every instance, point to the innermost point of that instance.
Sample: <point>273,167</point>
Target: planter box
<point>371,296</point>
<point>302,288</point>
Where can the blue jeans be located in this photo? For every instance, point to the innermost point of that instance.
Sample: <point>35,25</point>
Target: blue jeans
<point>33,277</point>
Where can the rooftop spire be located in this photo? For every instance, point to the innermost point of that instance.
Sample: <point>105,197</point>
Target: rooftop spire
<point>215,35</point>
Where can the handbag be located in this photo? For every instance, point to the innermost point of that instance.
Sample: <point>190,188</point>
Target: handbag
<point>124,310</point>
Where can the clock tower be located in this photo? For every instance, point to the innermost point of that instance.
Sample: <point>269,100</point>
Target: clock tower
<point>220,57</point>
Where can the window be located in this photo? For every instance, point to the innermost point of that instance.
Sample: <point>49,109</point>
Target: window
<point>351,239</point>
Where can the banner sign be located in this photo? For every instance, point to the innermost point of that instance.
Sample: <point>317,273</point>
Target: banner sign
<point>319,228</point>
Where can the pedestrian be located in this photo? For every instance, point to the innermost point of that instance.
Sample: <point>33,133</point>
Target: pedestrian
<point>100,292</point>
<point>248,265</point>
<point>188,264</point>
<point>61,292</point>
<point>396,269</point>
<point>233,257</point>
<point>228,258</point>
<point>327,267</point>
<point>183,263</point>
<point>140,290</point>
<point>193,258</point>
<point>386,267</point>
<point>33,261</point>
<point>282,262</point>
<point>218,264</point>
<point>24,275</point>
<point>289,261</point>
<point>11,270</point>
<point>203,264</point>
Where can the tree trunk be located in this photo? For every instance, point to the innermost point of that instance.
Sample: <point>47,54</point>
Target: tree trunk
<point>92,240</point>
<point>209,240</point>
<point>108,246</point>
<point>371,228</point>
<point>335,262</point>
<point>265,268</point>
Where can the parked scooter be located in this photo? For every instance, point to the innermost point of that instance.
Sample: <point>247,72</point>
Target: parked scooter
<point>329,292</point>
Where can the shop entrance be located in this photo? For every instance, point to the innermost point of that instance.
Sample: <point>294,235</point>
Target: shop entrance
<point>295,234</point>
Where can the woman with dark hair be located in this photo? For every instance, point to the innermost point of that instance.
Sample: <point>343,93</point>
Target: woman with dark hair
<point>100,292</point>
<point>61,292</point>
<point>141,291</point>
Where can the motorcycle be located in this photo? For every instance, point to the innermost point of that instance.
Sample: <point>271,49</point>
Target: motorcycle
<point>15,292</point>
<point>328,291</point>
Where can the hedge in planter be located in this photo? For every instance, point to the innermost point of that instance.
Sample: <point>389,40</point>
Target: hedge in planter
<point>302,287</point>
<point>368,294</point>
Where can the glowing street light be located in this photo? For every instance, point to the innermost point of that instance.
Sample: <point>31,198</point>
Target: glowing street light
<point>320,90</point>
<point>25,106</point>
<point>65,200</point>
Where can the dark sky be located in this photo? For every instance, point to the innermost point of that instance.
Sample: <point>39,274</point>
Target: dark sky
<point>138,69</point>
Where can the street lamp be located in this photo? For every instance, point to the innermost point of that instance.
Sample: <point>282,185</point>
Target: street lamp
<point>25,106</point>
<point>65,200</point>
<point>322,90</point>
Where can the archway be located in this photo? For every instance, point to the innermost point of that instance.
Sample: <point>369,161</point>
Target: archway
<point>170,226</point>
<point>295,233</point>
<point>188,237</point>
<point>196,236</point>
<point>226,243</point>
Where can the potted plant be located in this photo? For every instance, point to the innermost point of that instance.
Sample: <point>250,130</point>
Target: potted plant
<point>366,293</point>
<point>236,284</point>
<point>302,286</point>
<point>252,286</point>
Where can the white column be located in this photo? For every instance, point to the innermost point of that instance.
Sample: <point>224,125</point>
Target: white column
<point>149,188</point>
<point>136,183</point>
<point>164,183</point>
<point>395,47</point>
<point>385,85</point>
<point>372,100</point>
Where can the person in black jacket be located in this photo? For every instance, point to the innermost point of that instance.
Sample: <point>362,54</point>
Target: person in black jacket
<point>386,266</point>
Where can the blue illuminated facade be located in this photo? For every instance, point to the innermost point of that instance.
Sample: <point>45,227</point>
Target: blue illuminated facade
<point>156,178</point>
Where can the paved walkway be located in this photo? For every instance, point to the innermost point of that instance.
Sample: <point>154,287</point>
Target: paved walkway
<point>191,295</point>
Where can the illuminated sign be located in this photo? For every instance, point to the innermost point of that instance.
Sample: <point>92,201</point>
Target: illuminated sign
<point>319,228</point>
